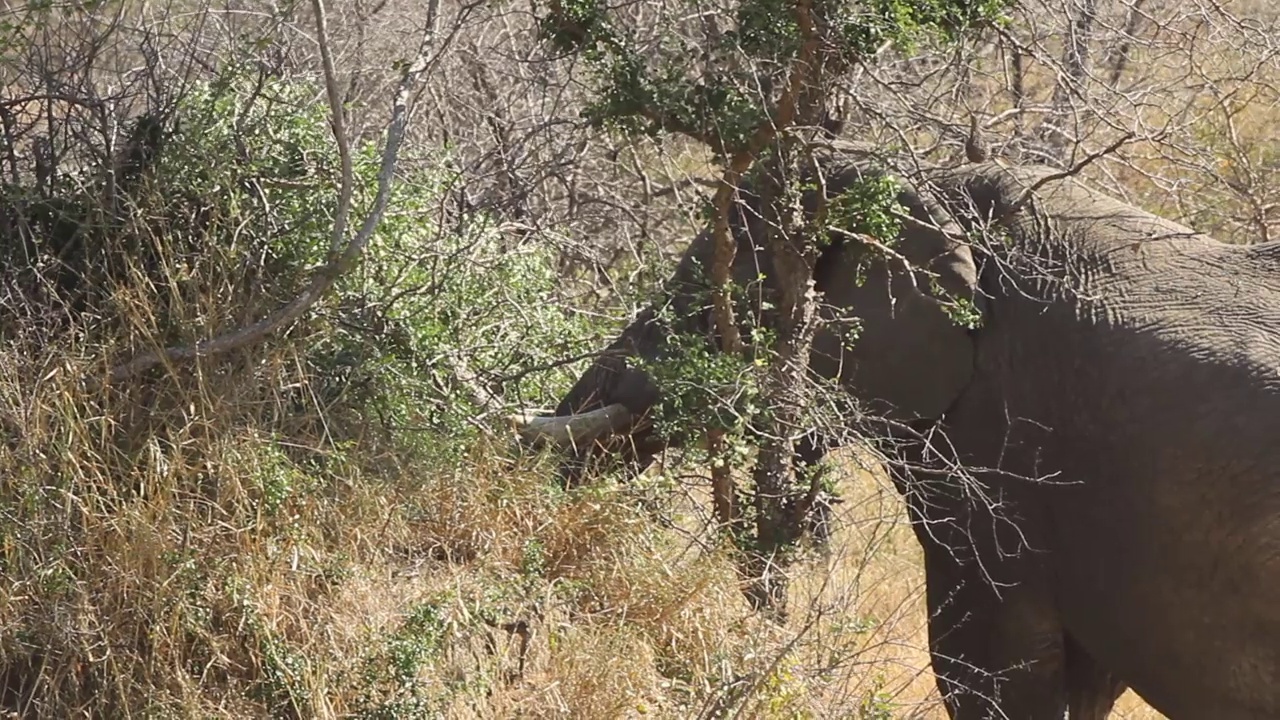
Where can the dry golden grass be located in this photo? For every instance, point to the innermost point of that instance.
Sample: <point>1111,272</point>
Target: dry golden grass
<point>202,573</point>
<point>656,628</point>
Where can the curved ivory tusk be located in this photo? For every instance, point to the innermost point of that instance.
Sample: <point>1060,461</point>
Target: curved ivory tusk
<point>566,430</point>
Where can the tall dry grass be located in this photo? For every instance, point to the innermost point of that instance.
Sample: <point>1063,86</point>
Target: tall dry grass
<point>170,553</point>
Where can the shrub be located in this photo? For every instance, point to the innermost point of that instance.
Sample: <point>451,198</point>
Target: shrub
<point>171,541</point>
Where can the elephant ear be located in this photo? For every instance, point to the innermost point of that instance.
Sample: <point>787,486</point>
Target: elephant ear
<point>914,353</point>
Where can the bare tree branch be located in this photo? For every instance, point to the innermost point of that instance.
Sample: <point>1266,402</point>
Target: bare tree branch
<point>343,254</point>
<point>1075,169</point>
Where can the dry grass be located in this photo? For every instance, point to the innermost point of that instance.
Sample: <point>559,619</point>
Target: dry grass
<point>188,565</point>
<point>668,635</point>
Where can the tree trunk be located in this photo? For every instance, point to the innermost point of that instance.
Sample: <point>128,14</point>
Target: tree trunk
<point>785,388</point>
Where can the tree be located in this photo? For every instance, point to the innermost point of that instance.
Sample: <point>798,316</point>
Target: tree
<point>759,96</point>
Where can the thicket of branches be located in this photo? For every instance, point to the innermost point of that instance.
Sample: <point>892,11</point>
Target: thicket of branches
<point>188,529</point>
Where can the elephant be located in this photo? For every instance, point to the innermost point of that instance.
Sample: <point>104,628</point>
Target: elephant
<point>1089,470</point>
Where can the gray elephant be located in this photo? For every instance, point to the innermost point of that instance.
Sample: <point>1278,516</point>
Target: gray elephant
<point>1116,410</point>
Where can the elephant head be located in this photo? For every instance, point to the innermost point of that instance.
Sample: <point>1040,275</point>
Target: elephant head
<point>909,361</point>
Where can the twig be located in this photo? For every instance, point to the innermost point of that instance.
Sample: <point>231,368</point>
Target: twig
<point>1075,169</point>
<point>683,185</point>
<point>557,363</point>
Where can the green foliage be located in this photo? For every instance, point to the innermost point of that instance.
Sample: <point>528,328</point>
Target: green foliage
<point>395,689</point>
<point>651,90</point>
<point>868,206</point>
<point>221,211</point>
<point>782,691</point>
<point>766,29</point>
<point>703,388</point>
<point>426,302</point>
<point>877,704</point>
<point>864,27</point>
<point>961,310</point>
<point>533,558</point>
<point>260,155</point>
<point>427,306</point>
<point>417,641</point>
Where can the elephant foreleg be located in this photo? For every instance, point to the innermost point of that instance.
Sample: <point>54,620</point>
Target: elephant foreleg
<point>995,656</point>
<point>1091,690</point>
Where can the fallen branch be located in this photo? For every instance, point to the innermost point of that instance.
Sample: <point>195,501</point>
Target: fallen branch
<point>342,254</point>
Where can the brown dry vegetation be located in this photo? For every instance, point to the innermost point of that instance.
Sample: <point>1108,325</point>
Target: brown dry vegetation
<point>186,590</point>
<point>205,576</point>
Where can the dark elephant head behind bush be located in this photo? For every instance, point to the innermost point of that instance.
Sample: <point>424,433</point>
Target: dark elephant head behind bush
<point>617,393</point>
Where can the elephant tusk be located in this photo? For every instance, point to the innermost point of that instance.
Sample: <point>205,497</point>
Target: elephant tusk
<point>568,430</point>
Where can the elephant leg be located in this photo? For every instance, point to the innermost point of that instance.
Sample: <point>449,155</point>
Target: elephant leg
<point>1091,690</point>
<point>995,656</point>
